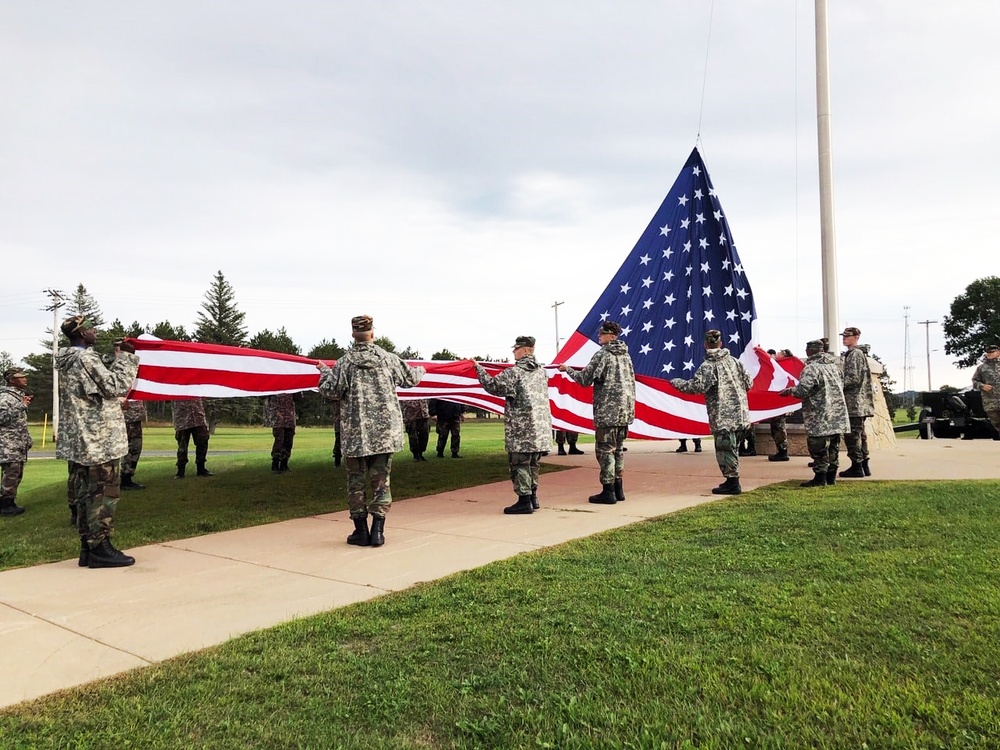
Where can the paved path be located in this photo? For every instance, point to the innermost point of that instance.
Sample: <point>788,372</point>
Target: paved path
<point>189,594</point>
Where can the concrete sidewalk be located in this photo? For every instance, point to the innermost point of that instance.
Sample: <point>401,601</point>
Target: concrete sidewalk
<point>189,594</point>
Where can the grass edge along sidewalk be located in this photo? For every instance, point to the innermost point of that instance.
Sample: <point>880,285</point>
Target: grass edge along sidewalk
<point>867,614</point>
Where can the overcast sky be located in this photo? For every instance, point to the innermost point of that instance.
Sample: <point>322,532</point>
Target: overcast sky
<point>455,167</point>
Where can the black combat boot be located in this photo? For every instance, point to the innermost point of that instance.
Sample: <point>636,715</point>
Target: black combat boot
<point>204,472</point>
<point>619,491</point>
<point>781,455</point>
<point>865,469</point>
<point>283,466</point>
<point>361,537</point>
<point>682,448</point>
<point>606,496</point>
<point>730,487</point>
<point>9,508</point>
<point>84,560</point>
<point>534,498</point>
<point>855,472</point>
<point>104,555</point>
<point>574,451</point>
<point>697,445</point>
<point>521,507</point>
<point>378,527</point>
<point>561,451</point>
<point>180,471</point>
<point>831,475</point>
<point>818,480</point>
<point>275,465</point>
<point>128,483</point>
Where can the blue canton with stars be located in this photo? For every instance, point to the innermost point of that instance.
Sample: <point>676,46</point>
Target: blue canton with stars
<point>682,278</point>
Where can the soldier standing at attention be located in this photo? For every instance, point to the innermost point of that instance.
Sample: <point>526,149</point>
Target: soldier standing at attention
<point>365,380</point>
<point>417,423</point>
<point>986,380</point>
<point>15,442</point>
<point>190,422</point>
<point>527,420</point>
<point>279,415</point>
<point>824,411</point>
<point>860,403</point>
<point>448,415</point>
<point>610,372</point>
<point>92,436</point>
<point>724,381</point>
<point>134,413</point>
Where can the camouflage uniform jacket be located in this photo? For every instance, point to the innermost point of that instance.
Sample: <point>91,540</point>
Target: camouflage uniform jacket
<point>365,380</point>
<point>134,411</point>
<point>91,425</point>
<point>279,410</point>
<point>414,408</point>
<point>188,413</point>
<point>858,384</point>
<point>610,372</point>
<point>15,442</point>
<point>988,373</point>
<point>821,388</point>
<point>527,420</point>
<point>725,382</point>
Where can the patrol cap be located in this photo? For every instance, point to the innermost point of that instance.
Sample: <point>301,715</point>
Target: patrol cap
<point>851,331</point>
<point>13,372</point>
<point>713,336</point>
<point>993,347</point>
<point>815,344</point>
<point>609,326</point>
<point>75,324</point>
<point>361,323</point>
<point>520,341</point>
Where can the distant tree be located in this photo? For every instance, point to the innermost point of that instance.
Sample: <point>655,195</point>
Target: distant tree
<point>444,355</point>
<point>275,342</point>
<point>38,368</point>
<point>165,330</point>
<point>118,330</point>
<point>409,353</point>
<point>974,321</point>
<point>326,349</point>
<point>82,302</point>
<point>385,343</point>
<point>220,321</point>
<point>6,362</point>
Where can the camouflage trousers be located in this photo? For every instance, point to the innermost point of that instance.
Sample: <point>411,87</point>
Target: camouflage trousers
<point>610,457</point>
<point>824,450</point>
<point>10,479</point>
<point>727,452</point>
<point>449,428</point>
<point>361,470</point>
<point>419,433</point>
<point>133,430</point>
<point>523,472</point>
<point>857,440</point>
<point>566,436</point>
<point>779,433</point>
<point>96,490</point>
<point>284,437</point>
<point>994,416</point>
<point>200,435</point>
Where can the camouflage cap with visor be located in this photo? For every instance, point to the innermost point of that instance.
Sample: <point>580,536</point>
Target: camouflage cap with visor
<point>13,372</point>
<point>851,331</point>
<point>361,323</point>
<point>610,327</point>
<point>75,324</point>
<point>524,341</point>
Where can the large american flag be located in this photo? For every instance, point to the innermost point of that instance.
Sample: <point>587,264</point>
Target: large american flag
<point>682,278</point>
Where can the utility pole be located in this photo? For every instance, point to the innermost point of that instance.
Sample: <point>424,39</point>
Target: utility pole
<point>927,331</point>
<point>556,308</point>
<point>907,354</point>
<point>57,301</point>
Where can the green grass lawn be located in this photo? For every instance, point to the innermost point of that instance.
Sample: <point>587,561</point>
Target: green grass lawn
<point>243,493</point>
<point>866,615</point>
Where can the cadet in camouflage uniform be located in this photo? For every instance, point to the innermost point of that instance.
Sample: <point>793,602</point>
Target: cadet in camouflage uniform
<point>986,380</point>
<point>527,420</point>
<point>417,423</point>
<point>134,413</point>
<point>92,436</point>
<point>448,416</point>
<point>15,442</point>
<point>824,411</point>
<point>365,380</point>
<point>724,381</point>
<point>190,422</point>
<point>567,437</point>
<point>779,430</point>
<point>279,415</point>
<point>860,402</point>
<point>610,372</point>
<point>335,418</point>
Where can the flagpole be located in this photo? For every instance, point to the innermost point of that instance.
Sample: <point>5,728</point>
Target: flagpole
<point>828,239</point>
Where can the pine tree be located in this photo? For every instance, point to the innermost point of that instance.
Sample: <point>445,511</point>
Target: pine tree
<point>221,322</point>
<point>275,342</point>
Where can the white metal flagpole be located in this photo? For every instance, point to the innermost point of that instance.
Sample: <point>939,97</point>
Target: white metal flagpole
<point>828,236</point>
